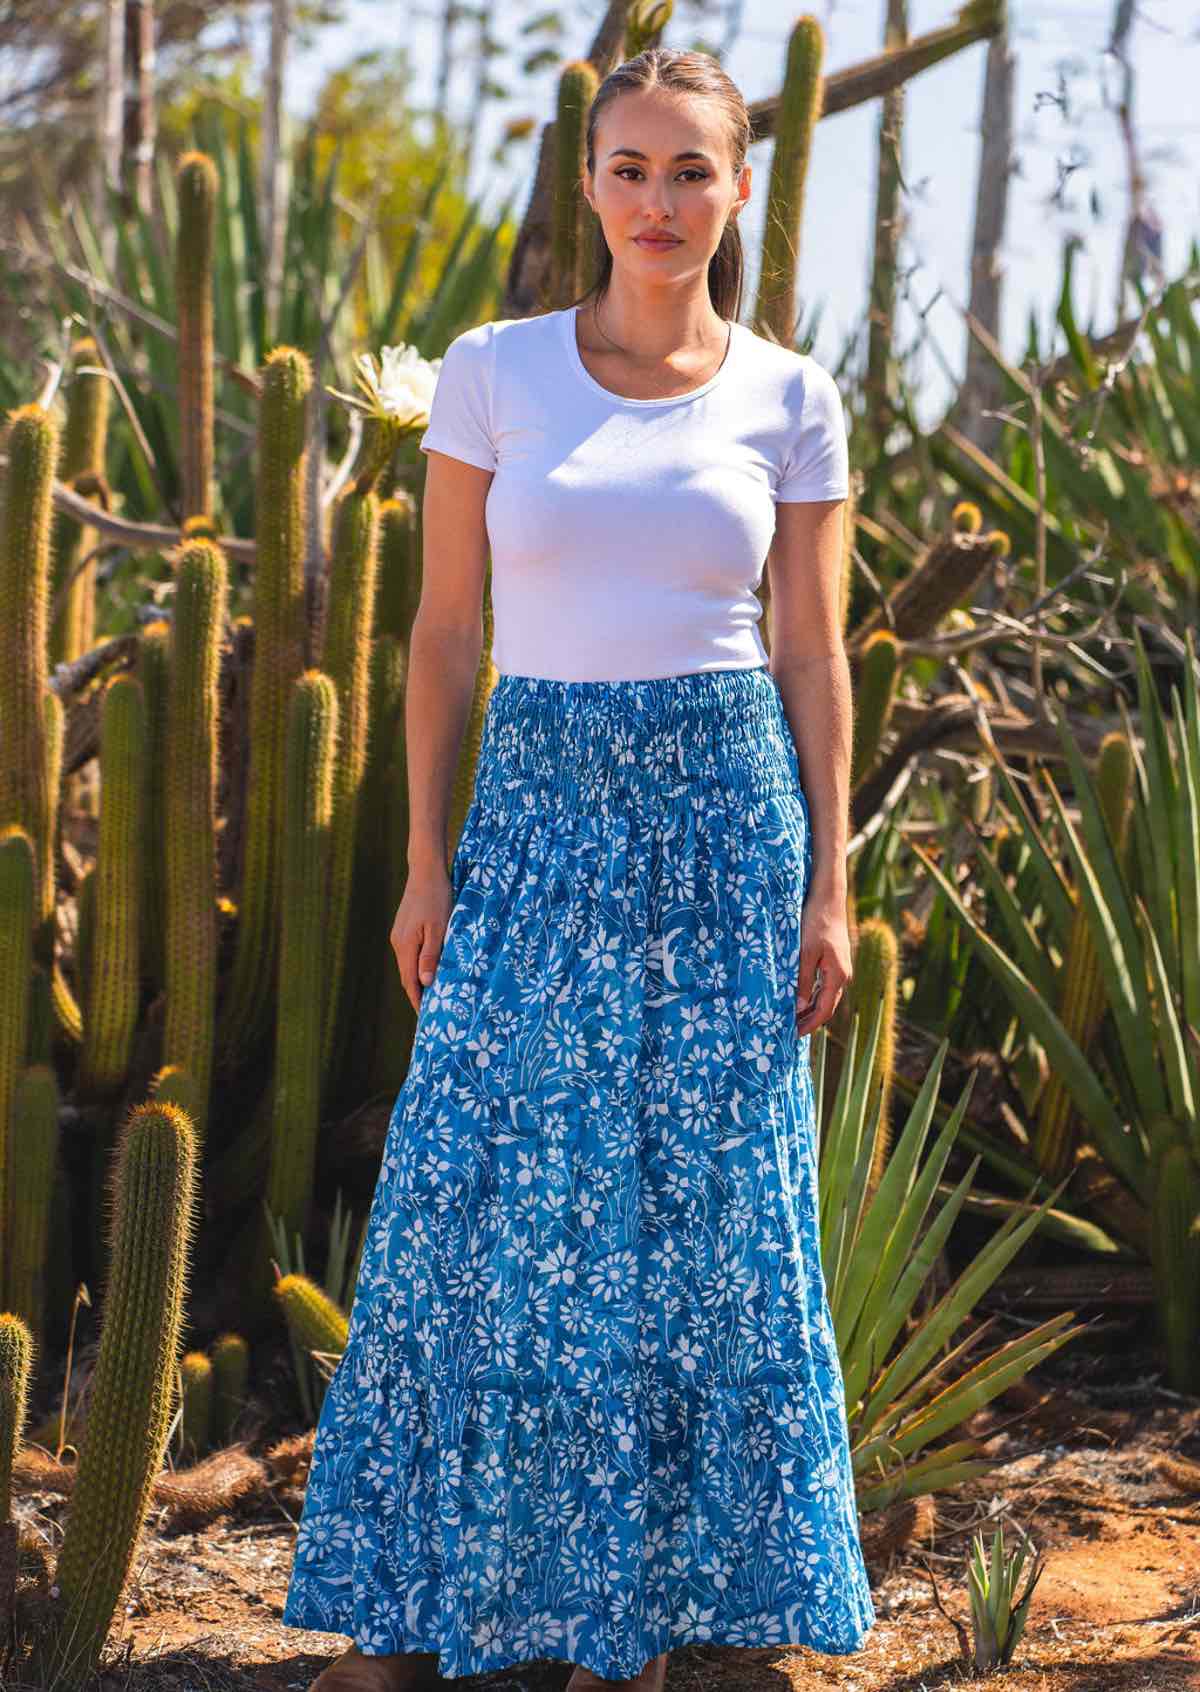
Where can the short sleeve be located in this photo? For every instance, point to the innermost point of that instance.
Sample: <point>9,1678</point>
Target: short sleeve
<point>817,465</point>
<point>460,413</point>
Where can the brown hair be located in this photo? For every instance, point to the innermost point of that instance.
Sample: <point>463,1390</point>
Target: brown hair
<point>681,72</point>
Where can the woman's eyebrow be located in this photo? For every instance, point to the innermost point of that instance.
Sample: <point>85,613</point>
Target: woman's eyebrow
<point>633,153</point>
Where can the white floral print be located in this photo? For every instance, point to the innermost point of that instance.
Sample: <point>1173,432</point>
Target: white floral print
<point>590,1406</point>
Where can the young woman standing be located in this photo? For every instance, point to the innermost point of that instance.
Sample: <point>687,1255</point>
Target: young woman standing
<point>591,1405</point>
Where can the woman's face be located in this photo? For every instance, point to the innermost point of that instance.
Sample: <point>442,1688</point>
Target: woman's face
<point>641,186</point>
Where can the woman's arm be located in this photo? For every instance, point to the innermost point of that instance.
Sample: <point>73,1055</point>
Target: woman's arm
<point>444,651</point>
<point>808,662</point>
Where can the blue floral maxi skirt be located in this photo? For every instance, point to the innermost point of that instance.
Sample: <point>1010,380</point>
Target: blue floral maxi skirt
<point>591,1406</point>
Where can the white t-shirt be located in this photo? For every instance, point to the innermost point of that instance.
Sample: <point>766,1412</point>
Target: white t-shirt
<point>627,536</point>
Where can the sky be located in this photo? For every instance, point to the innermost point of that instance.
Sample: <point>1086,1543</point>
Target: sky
<point>1069,168</point>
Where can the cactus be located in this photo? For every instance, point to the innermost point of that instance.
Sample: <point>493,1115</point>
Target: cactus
<point>303,950</point>
<point>800,102</point>
<point>26,795</point>
<point>153,670</point>
<point>316,1322</point>
<point>1175,1236</point>
<point>644,24</point>
<point>230,1374</point>
<point>114,979</point>
<point>946,573</point>
<point>192,713</point>
<point>888,222</point>
<point>1082,997</point>
<point>68,1016</point>
<point>878,674</point>
<point>485,680</point>
<point>874,982</point>
<point>399,572</point>
<point>16,1369</point>
<point>17,893</point>
<point>279,644</point>
<point>196,1375</point>
<point>174,1085</point>
<point>577,85</point>
<point>347,662</point>
<point>196,191</point>
<point>153,1202</point>
<point>33,1166</point>
<point>84,442</point>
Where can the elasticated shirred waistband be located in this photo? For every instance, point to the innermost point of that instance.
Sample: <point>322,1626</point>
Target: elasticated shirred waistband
<point>564,744</point>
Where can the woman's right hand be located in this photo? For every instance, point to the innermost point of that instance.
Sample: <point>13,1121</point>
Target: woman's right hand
<point>420,928</point>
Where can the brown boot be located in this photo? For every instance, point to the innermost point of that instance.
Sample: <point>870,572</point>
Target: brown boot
<point>653,1678</point>
<point>354,1671</point>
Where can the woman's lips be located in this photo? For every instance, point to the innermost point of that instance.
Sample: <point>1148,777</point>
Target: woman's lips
<point>655,241</point>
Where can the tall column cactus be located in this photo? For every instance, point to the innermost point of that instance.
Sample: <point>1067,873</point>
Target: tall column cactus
<point>577,85</point>
<point>153,668</point>
<point>348,632</point>
<point>279,639</point>
<point>114,979</point>
<point>34,1167</point>
<point>17,892</point>
<point>191,777</point>
<point>196,190</point>
<point>153,1198</point>
<point>800,101</point>
<point>25,789</point>
<point>16,1367</point>
<point>84,443</point>
<point>303,955</point>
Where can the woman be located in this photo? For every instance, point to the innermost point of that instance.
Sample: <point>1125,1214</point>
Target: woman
<point>591,1405</point>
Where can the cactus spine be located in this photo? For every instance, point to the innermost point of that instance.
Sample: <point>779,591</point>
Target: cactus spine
<point>115,977</point>
<point>33,1168</point>
<point>279,643</point>
<point>196,187</point>
<point>303,953</point>
<point>192,712</point>
<point>577,87</point>
<point>152,1195</point>
<point>800,102</point>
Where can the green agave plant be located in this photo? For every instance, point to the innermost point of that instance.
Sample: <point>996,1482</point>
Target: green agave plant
<point>997,1622</point>
<point>905,1393</point>
<point>1137,1086</point>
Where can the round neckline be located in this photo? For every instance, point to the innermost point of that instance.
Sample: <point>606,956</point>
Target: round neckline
<point>568,316</point>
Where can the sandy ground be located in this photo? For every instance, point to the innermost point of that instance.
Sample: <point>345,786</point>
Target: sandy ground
<point>1109,1492</point>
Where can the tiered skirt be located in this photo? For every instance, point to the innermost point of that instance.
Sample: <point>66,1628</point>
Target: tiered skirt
<point>590,1406</point>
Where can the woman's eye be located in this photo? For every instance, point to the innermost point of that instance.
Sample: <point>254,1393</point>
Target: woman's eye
<point>690,171</point>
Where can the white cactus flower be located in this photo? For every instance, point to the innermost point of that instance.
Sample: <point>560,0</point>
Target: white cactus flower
<point>400,388</point>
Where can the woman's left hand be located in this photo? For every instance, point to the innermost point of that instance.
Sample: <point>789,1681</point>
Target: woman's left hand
<point>824,954</point>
